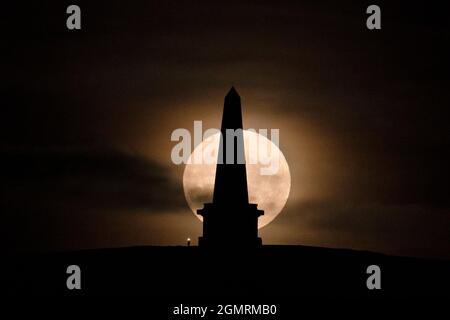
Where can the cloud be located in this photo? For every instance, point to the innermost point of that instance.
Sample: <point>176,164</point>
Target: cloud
<point>102,179</point>
<point>411,229</point>
<point>56,199</point>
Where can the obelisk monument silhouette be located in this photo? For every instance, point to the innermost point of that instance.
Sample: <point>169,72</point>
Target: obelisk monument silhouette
<point>230,220</point>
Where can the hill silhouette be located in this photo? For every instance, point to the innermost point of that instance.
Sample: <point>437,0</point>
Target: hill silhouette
<point>188,272</point>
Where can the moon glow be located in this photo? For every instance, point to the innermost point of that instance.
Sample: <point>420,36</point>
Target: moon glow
<point>270,192</point>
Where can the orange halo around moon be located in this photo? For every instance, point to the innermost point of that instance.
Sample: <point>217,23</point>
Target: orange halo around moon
<point>270,192</point>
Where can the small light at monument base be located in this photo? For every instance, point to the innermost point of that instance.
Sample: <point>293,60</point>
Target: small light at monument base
<point>188,242</point>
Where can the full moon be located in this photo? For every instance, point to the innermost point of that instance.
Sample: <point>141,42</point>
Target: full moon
<point>269,191</point>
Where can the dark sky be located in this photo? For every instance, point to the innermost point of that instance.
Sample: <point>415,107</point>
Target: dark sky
<point>87,117</point>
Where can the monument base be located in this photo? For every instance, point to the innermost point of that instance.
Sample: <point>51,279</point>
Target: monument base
<point>230,226</point>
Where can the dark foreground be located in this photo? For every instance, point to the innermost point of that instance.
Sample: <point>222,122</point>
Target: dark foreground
<point>192,272</point>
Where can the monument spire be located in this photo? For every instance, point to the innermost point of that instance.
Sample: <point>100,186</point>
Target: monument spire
<point>230,219</point>
<point>231,178</point>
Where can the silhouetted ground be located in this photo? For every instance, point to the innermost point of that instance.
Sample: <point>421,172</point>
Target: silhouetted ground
<point>193,272</point>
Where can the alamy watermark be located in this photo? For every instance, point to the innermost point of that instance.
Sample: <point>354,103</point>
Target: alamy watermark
<point>261,149</point>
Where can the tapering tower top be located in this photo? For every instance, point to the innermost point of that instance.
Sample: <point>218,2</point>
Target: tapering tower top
<point>232,94</point>
<point>231,178</point>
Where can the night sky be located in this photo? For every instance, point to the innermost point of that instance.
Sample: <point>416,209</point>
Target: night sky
<point>86,119</point>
